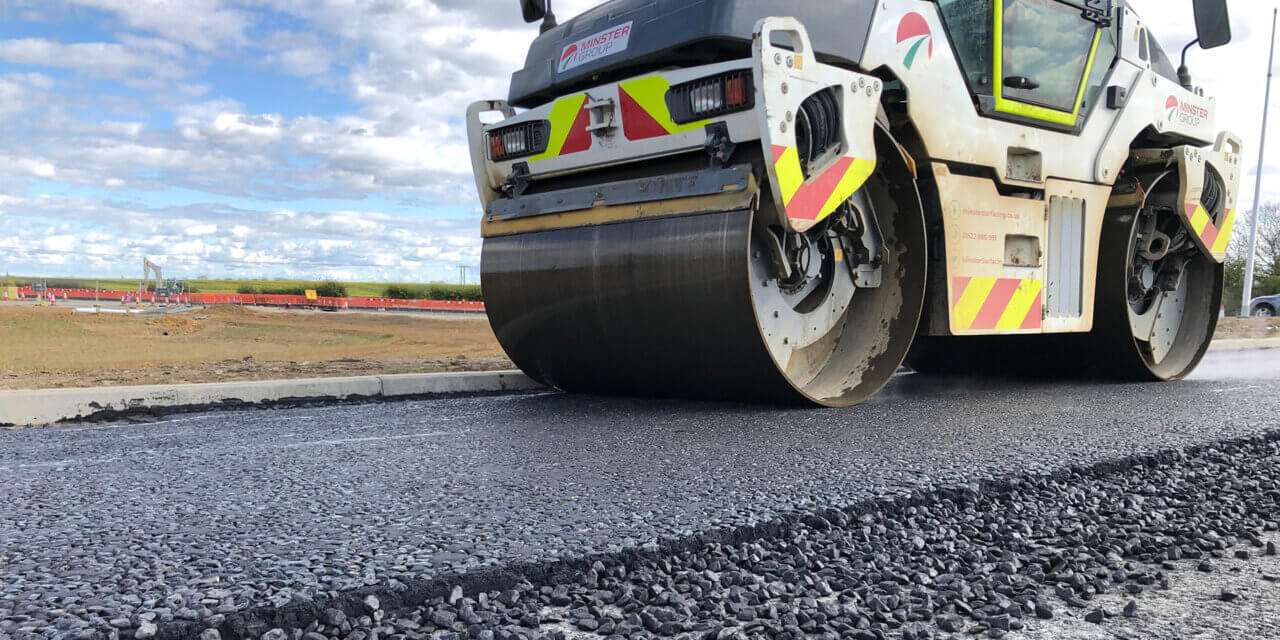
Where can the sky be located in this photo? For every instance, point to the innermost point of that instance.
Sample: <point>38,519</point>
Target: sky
<point>318,138</point>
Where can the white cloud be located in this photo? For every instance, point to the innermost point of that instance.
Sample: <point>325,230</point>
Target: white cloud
<point>103,59</point>
<point>203,24</point>
<point>298,54</point>
<point>408,67</point>
<point>77,233</point>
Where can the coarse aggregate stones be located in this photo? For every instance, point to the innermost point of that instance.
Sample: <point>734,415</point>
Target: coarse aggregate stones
<point>216,520</point>
<point>1192,608</point>
<point>1084,544</point>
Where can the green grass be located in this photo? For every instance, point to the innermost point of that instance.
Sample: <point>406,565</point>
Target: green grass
<point>422,291</point>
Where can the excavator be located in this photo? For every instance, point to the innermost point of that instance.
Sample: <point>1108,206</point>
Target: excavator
<point>787,201</point>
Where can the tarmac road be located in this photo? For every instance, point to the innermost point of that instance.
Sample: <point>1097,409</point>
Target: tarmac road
<point>198,516</point>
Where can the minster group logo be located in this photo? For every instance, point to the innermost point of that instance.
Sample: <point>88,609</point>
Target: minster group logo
<point>1171,105</point>
<point>913,28</point>
<point>568,54</point>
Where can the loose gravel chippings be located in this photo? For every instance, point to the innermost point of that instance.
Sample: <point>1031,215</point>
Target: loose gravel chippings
<point>233,520</point>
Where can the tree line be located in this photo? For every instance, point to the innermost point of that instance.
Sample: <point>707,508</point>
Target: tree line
<point>1266,268</point>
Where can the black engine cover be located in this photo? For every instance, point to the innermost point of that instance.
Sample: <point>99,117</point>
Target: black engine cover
<point>682,33</point>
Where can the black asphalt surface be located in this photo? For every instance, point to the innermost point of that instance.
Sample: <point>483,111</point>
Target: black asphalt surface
<point>209,514</point>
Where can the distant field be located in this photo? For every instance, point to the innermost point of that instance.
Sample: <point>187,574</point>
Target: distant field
<point>43,347</point>
<point>409,291</point>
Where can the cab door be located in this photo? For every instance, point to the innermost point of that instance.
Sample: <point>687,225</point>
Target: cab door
<point>1043,52</point>
<point>1030,61</point>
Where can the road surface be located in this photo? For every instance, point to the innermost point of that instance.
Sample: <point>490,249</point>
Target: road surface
<point>215,518</point>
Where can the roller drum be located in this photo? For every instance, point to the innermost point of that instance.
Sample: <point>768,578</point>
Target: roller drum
<point>691,305</point>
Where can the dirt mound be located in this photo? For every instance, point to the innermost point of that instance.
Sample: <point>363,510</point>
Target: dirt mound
<point>173,324</point>
<point>1248,328</point>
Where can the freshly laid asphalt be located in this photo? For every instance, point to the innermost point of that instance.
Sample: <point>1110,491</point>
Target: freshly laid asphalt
<point>120,526</point>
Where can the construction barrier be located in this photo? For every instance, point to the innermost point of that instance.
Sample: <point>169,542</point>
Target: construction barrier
<point>264,300</point>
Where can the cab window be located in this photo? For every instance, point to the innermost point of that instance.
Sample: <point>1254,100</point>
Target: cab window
<point>969,24</point>
<point>1029,60</point>
<point>1045,47</point>
<point>1103,59</point>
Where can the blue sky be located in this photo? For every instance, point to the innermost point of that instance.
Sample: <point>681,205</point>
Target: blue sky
<point>305,138</point>
<point>222,138</point>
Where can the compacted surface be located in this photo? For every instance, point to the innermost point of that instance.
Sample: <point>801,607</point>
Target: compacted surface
<point>221,519</point>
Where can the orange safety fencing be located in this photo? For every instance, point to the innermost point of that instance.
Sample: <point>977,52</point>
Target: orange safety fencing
<point>268,300</point>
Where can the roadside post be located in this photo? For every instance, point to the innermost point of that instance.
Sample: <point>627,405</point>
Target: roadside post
<point>1247,291</point>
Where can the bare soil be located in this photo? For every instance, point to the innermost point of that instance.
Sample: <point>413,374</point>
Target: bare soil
<point>50,347</point>
<point>42,347</point>
<point>1236,328</point>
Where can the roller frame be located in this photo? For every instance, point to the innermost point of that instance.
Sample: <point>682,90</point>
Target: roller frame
<point>784,78</point>
<point>1211,230</point>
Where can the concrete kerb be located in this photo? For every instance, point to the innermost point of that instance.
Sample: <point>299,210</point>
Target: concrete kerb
<point>1241,344</point>
<point>25,408</point>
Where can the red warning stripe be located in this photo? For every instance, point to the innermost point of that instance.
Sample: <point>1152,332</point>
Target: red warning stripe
<point>807,203</point>
<point>996,304</point>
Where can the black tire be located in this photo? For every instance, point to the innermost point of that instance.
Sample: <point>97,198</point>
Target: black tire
<point>1117,350</point>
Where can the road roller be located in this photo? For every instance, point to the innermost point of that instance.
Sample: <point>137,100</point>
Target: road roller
<point>787,202</point>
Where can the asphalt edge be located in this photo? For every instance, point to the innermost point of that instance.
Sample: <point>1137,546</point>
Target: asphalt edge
<point>42,407</point>
<point>252,623</point>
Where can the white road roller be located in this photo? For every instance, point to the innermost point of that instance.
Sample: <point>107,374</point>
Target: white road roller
<point>784,201</point>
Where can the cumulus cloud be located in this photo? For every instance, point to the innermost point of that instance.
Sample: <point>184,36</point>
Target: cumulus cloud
<point>202,24</point>
<point>103,59</point>
<point>82,235</point>
<point>155,112</point>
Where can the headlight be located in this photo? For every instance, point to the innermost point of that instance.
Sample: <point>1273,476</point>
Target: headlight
<point>707,97</point>
<point>519,140</point>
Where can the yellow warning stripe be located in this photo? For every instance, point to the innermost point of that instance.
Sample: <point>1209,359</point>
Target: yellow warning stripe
<point>853,180</point>
<point>1224,234</point>
<point>650,93</point>
<point>563,114</point>
<point>1019,305</point>
<point>1199,220</point>
<point>790,176</point>
<point>990,305</point>
<point>970,303</point>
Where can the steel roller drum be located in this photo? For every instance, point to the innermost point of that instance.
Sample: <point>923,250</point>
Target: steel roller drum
<point>678,306</point>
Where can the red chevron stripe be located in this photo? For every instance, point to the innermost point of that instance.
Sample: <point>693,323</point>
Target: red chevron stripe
<point>637,124</point>
<point>1035,314</point>
<point>808,201</point>
<point>997,301</point>
<point>1209,234</point>
<point>579,138</point>
<point>958,286</point>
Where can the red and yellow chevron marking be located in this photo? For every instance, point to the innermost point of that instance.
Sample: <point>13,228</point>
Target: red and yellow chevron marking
<point>1215,238</point>
<point>569,133</point>
<point>643,103</point>
<point>996,304</point>
<point>817,198</point>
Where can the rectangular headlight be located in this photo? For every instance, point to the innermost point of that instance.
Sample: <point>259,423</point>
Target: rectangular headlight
<point>519,140</point>
<point>707,97</point>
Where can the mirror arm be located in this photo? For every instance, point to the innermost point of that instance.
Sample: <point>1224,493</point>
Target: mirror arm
<point>548,21</point>
<point>1184,74</point>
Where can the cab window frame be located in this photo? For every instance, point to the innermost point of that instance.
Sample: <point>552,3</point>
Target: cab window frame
<point>986,85</point>
<point>1022,107</point>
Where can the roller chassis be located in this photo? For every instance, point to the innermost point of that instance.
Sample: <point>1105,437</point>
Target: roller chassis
<point>1019,208</point>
